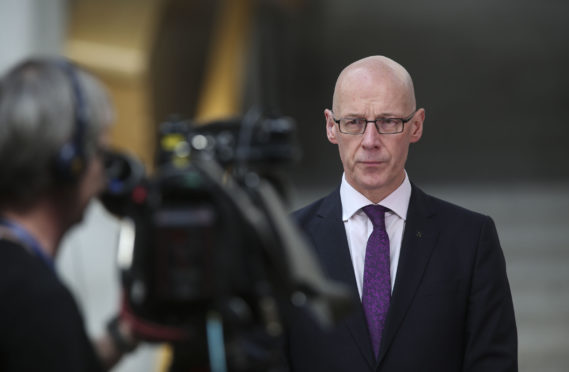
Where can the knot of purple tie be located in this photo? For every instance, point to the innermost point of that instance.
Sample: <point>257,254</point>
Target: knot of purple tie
<point>376,213</point>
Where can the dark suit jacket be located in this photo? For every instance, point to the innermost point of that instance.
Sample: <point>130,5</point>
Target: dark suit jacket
<point>451,307</point>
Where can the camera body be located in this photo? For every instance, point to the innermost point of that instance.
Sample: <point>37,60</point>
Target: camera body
<point>185,245</point>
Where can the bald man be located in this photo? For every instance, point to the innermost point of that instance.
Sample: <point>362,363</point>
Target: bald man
<point>430,276</point>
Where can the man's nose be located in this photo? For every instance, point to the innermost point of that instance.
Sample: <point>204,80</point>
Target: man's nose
<point>371,137</point>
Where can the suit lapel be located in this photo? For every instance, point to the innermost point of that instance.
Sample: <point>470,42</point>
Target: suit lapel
<point>331,245</point>
<point>419,239</point>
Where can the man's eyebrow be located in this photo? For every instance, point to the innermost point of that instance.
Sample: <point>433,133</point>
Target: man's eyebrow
<point>382,115</point>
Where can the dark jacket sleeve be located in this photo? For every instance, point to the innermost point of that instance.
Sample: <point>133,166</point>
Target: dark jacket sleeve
<point>491,336</point>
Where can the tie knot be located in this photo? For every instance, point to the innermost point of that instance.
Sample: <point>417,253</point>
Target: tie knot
<point>376,213</point>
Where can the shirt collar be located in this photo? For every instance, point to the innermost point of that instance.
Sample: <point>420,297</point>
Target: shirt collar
<point>353,200</point>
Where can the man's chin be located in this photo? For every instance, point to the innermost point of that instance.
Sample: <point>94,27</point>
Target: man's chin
<point>373,179</point>
<point>372,184</point>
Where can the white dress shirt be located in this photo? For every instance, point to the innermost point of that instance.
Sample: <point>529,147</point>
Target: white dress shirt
<point>359,227</point>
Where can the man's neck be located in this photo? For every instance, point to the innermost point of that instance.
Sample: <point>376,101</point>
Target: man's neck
<point>42,221</point>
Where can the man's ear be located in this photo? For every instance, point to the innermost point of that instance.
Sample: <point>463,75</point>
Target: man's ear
<point>416,130</point>
<point>330,126</point>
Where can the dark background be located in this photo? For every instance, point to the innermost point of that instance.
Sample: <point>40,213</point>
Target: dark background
<point>492,76</point>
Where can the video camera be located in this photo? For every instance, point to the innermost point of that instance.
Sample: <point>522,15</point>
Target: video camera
<point>207,241</point>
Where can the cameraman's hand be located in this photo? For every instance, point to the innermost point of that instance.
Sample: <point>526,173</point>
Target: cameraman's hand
<point>141,329</point>
<point>118,340</point>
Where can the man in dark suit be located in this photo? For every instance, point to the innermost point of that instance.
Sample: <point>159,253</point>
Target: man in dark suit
<point>431,276</point>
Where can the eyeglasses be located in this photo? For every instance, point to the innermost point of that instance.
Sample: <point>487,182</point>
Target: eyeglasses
<point>356,126</point>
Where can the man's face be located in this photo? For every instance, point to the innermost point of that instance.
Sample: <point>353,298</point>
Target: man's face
<point>373,163</point>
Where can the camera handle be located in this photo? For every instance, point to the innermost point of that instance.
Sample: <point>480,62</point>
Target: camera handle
<point>295,267</point>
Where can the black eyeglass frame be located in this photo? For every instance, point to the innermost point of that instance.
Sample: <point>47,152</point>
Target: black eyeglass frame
<point>403,122</point>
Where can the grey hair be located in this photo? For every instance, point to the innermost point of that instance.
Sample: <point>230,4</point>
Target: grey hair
<point>37,117</point>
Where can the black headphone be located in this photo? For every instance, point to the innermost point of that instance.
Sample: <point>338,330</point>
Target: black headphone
<point>70,161</point>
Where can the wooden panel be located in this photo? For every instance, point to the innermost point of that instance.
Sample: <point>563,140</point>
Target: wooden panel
<point>113,40</point>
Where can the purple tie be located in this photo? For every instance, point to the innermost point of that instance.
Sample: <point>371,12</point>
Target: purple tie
<point>376,292</point>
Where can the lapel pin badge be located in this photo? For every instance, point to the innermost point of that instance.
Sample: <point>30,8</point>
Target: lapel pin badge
<point>419,234</point>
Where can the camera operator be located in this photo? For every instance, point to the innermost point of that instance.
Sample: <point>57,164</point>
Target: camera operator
<point>54,121</point>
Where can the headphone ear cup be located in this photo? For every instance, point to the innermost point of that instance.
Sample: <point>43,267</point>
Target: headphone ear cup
<point>69,163</point>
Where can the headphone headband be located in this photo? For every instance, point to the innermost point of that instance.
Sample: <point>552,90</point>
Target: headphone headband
<point>70,161</point>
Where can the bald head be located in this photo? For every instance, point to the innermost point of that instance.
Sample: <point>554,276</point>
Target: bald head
<point>380,71</point>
